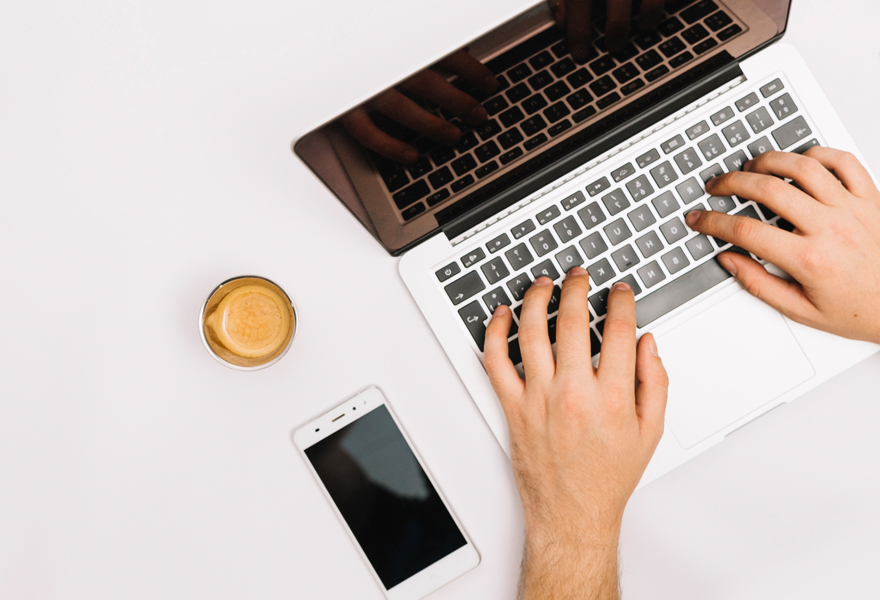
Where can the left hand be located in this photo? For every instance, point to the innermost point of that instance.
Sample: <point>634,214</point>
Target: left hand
<point>574,17</point>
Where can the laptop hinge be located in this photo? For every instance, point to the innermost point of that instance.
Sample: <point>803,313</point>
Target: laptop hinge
<point>644,113</point>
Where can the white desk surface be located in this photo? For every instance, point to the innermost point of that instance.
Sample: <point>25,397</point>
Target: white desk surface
<point>144,158</point>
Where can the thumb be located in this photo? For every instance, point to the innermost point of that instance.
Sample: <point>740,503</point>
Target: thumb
<point>652,390</point>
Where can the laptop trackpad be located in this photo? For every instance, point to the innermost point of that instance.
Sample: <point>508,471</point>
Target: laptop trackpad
<point>725,363</point>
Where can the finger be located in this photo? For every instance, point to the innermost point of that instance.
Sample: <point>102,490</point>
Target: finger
<point>617,27</point>
<point>573,323</point>
<point>847,168</point>
<point>396,106</point>
<point>653,388</point>
<point>782,198</point>
<point>577,25</point>
<point>650,13</point>
<point>471,70</point>
<point>809,174</point>
<point>534,341</point>
<point>502,374</point>
<point>558,10</point>
<point>617,363</point>
<point>432,86</point>
<point>785,296</point>
<point>770,243</point>
<point>361,127</point>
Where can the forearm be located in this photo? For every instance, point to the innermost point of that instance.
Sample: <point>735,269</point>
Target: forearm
<point>570,571</point>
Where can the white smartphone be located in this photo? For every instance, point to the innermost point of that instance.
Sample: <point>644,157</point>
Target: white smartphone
<point>385,497</point>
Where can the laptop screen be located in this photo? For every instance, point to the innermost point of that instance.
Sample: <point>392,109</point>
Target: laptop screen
<point>481,126</point>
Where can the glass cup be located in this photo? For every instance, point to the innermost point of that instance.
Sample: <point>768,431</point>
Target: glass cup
<point>247,323</point>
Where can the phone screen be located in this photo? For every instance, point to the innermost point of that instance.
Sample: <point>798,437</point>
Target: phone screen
<point>385,497</point>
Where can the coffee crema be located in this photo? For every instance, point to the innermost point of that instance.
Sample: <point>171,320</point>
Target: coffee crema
<point>248,322</point>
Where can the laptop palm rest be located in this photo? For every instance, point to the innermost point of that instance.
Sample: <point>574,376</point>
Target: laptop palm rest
<point>726,363</point>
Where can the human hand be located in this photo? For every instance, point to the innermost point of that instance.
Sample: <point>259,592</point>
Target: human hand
<point>834,251</point>
<point>580,438</point>
<point>434,87</point>
<point>574,17</point>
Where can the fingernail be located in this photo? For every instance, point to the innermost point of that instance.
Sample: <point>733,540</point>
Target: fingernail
<point>478,114</point>
<point>579,52</point>
<point>711,182</point>
<point>652,346</point>
<point>500,310</point>
<point>693,216</point>
<point>621,286</point>
<point>543,281</point>
<point>576,272</point>
<point>728,265</point>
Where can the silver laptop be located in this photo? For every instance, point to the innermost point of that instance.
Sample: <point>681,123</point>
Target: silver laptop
<point>596,163</point>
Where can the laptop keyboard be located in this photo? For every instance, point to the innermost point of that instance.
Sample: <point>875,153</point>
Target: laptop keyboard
<point>628,223</point>
<point>543,93</point>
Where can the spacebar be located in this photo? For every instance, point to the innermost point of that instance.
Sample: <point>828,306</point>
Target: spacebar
<point>672,295</point>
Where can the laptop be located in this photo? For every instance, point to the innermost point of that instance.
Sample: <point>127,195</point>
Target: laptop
<point>596,164</point>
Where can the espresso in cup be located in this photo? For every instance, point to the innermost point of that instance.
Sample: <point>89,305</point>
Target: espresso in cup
<point>248,323</point>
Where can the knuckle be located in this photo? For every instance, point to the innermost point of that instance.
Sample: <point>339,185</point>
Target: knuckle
<point>619,327</point>
<point>754,287</point>
<point>807,168</point>
<point>770,186</point>
<point>573,321</point>
<point>744,228</point>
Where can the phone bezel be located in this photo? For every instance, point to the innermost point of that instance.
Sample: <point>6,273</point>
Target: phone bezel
<point>427,580</point>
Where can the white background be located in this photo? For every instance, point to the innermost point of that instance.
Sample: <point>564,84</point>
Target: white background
<point>145,157</point>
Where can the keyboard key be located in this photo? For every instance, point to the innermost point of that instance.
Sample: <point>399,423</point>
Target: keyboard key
<point>513,351</point>
<point>688,160</point>
<point>805,147</point>
<point>486,151</point>
<point>675,260</point>
<point>543,243</point>
<point>488,129</point>
<point>494,270</point>
<point>673,230</point>
<point>723,204</point>
<point>759,120</point>
<point>519,285</point>
<point>602,86</point>
<point>545,269</point>
<point>679,60</point>
<point>663,174</point>
<point>705,46</point>
<point>632,86</point>
<point>518,257</point>
<point>523,228</point>
<point>698,11</point>
<point>602,65</point>
<point>670,26</point>
<point>689,190</point>
<point>712,147</point>
<point>467,141</point>
<point>463,288</point>
<point>608,100</point>
<point>579,99</point>
<point>486,169</point>
<point>496,298</point>
<point>679,291</point>
<point>519,72</point>
<point>511,156</point>
<point>579,78</point>
<point>713,171</point>
<point>623,172</point>
<point>411,194</point>
<point>555,297</point>
<point>665,204</point>
<point>745,103</point>
<point>394,178</point>
<point>440,177</point>
<point>563,67</point>
<point>593,245</point>
<point>511,116</point>
<point>697,130</point>
<point>617,231</point>
<point>557,91</point>
<point>600,272</point>
<point>498,243</point>
<point>559,128</point>
<point>567,229</point>
<point>792,132</point>
<point>569,258</point>
<point>625,258</point>
<point>541,60</point>
<point>450,270</point>
<point>625,73</point>
<point>598,186</point>
<point>649,244</point>
<point>548,214</point>
<point>517,93</point>
<point>540,79</point>
<point>640,188</point>
<point>721,116</point>
<point>760,147</point>
<point>748,211</point>
<point>736,161</point>
<point>464,164</point>
<point>735,133</point>
<point>591,215</point>
<point>595,344</point>
<point>573,200</point>
<point>533,125</point>
<point>615,202</point>
<point>474,318</point>
<point>641,217</point>
<point>647,40</point>
<point>671,47</point>
<point>729,32</point>
<point>651,274</point>
<point>599,302</point>
<point>694,34</point>
<point>783,106</point>
<point>496,105</point>
<point>534,103</point>
<point>657,73</point>
<point>672,144</point>
<point>649,60</point>
<point>557,111</point>
<point>771,88</point>
<point>699,247</point>
<point>462,183</point>
<point>473,257</point>
<point>510,138</point>
<point>718,21</point>
<point>646,159</point>
<point>534,142</point>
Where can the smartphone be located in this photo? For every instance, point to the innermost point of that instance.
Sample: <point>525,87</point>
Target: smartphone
<point>385,498</point>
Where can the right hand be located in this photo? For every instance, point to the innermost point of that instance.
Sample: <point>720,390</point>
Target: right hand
<point>834,251</point>
<point>574,17</point>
